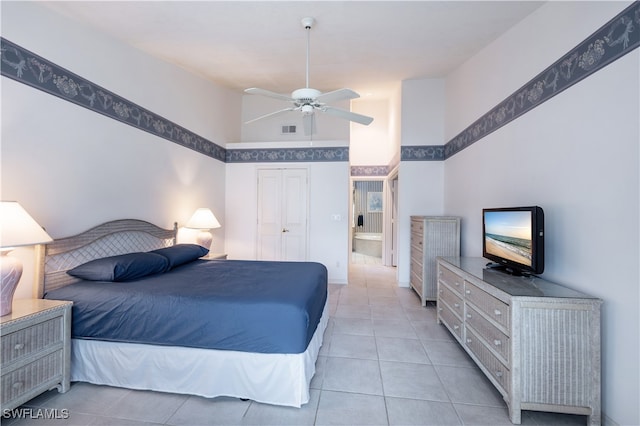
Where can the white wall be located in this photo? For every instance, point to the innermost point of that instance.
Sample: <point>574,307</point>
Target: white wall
<point>328,196</point>
<point>395,124</point>
<point>370,145</point>
<point>72,168</point>
<point>577,156</point>
<point>420,183</point>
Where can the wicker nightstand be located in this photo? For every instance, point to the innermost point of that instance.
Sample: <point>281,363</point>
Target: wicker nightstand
<point>36,349</point>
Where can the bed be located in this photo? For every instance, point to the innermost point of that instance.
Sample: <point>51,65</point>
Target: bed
<point>170,323</point>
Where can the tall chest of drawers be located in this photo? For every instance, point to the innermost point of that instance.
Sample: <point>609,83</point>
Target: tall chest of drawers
<point>536,341</point>
<point>431,236</point>
<point>35,349</point>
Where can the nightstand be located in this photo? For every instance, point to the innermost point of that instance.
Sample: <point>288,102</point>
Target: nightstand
<point>35,350</point>
<point>214,256</point>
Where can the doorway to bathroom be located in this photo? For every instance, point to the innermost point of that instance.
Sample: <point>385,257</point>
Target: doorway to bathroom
<point>367,221</point>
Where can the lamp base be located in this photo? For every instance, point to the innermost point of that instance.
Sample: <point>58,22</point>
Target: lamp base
<point>204,239</point>
<point>10,273</point>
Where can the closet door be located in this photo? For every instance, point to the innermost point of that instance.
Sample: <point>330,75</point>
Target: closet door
<point>282,214</point>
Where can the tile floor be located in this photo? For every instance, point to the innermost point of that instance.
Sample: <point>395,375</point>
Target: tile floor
<point>363,259</point>
<point>384,361</point>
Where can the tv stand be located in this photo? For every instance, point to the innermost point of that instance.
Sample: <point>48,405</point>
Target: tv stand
<point>536,341</point>
<point>505,269</point>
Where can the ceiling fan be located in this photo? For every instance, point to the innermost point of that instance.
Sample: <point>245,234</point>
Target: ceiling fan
<point>308,100</point>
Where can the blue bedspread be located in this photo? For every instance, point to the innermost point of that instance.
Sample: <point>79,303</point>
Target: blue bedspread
<point>250,306</point>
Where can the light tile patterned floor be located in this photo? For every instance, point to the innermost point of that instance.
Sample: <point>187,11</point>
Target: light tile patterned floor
<point>384,361</point>
<point>363,259</point>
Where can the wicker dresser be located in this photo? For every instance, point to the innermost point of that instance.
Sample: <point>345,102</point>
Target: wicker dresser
<point>36,339</point>
<point>431,236</point>
<point>536,341</point>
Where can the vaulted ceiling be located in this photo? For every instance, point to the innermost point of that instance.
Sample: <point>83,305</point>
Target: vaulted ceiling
<point>369,46</point>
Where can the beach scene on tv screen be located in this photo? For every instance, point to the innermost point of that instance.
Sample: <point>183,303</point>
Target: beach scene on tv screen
<point>508,235</point>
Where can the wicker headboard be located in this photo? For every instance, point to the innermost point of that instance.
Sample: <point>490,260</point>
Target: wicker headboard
<point>109,239</point>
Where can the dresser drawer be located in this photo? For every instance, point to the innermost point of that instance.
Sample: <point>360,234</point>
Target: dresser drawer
<point>417,248</point>
<point>494,337</point>
<point>416,253</point>
<point>27,341</point>
<point>416,268</point>
<point>416,279</point>
<point>453,323</point>
<point>492,365</point>
<point>451,299</point>
<point>416,282</point>
<point>38,373</point>
<point>452,280</point>
<point>486,303</point>
<point>417,226</point>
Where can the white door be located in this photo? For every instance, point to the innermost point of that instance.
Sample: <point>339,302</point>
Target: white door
<point>282,214</point>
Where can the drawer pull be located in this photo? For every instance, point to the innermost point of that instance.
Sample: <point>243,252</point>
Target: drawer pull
<point>468,340</point>
<point>497,312</point>
<point>439,309</point>
<point>440,291</point>
<point>497,342</point>
<point>468,291</point>
<point>455,327</point>
<point>457,284</point>
<point>18,346</point>
<point>498,373</point>
<point>456,305</point>
<point>17,385</point>
<point>468,315</point>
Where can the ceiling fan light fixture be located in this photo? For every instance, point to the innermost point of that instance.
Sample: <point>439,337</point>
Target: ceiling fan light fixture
<point>305,94</point>
<point>307,99</point>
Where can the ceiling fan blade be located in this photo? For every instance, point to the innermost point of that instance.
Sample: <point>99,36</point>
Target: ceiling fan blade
<point>263,92</point>
<point>309,124</point>
<point>337,95</point>
<point>271,114</point>
<point>352,116</point>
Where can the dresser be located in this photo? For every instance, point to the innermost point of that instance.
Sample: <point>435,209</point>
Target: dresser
<point>35,349</point>
<point>431,236</point>
<point>536,341</point>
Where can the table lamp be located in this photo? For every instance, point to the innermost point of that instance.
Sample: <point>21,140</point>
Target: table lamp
<point>17,229</point>
<point>204,220</point>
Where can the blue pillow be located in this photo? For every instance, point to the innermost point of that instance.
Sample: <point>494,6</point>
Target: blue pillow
<point>180,254</point>
<point>125,267</point>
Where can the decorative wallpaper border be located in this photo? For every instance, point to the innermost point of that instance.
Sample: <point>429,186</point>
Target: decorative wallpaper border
<point>287,155</point>
<point>26,67</point>
<point>615,39</point>
<point>369,170</point>
<point>422,153</point>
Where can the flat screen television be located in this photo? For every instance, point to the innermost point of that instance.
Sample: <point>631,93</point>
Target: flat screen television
<point>513,238</point>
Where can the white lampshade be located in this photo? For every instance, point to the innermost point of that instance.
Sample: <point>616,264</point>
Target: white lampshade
<point>17,228</point>
<point>203,218</point>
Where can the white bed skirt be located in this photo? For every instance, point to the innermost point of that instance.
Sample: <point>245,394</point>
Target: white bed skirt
<point>279,379</point>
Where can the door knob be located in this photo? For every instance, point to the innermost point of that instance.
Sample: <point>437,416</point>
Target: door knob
<point>285,230</point>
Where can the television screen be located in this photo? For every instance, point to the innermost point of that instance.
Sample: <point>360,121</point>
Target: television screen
<point>514,238</point>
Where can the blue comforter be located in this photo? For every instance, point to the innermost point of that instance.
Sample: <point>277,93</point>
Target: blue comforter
<point>250,306</point>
